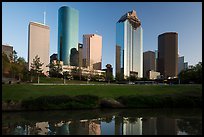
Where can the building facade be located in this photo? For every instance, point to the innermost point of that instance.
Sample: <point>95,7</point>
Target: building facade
<point>68,25</point>
<point>80,50</point>
<point>151,74</point>
<point>92,51</point>
<point>39,44</point>
<point>8,50</point>
<point>185,65</point>
<point>156,60</point>
<point>129,45</point>
<point>180,64</point>
<point>168,54</point>
<point>148,62</point>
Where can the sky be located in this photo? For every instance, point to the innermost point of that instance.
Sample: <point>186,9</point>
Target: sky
<point>156,18</point>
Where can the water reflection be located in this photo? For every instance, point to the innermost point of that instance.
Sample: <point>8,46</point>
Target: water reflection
<point>104,122</point>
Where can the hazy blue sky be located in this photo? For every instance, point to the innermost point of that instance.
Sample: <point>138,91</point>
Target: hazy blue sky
<point>101,17</point>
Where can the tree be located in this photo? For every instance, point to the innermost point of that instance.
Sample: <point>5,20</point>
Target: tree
<point>15,57</point>
<point>36,67</point>
<point>21,63</point>
<point>55,69</point>
<point>65,74</point>
<point>5,64</point>
<point>14,70</point>
<point>119,77</point>
<point>193,74</point>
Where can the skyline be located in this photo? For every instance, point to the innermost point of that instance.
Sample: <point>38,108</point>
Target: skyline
<point>185,19</point>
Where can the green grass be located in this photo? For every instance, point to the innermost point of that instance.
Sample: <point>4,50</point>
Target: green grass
<point>60,80</point>
<point>18,92</point>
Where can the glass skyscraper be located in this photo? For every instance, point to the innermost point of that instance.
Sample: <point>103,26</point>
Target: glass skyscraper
<point>129,46</point>
<point>68,25</point>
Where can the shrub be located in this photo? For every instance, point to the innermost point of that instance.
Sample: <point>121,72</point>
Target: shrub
<point>61,102</point>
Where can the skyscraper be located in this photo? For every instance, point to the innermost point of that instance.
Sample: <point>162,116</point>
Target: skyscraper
<point>92,51</point>
<point>148,62</point>
<point>39,44</point>
<point>168,54</point>
<point>80,50</point>
<point>156,60</point>
<point>185,65</point>
<point>68,23</point>
<point>129,45</point>
<point>180,64</point>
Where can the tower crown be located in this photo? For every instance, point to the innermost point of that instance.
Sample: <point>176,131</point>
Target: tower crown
<point>131,16</point>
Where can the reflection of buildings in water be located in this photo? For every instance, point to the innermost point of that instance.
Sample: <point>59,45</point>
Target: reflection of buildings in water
<point>23,130</point>
<point>94,128</point>
<point>78,128</point>
<point>118,125</point>
<point>182,133</point>
<point>42,128</point>
<point>85,127</point>
<point>19,130</point>
<point>166,126</point>
<point>132,128</point>
<point>149,126</point>
<point>63,129</point>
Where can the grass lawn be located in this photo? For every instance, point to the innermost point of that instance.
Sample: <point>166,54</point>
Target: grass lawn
<point>25,91</point>
<point>60,80</point>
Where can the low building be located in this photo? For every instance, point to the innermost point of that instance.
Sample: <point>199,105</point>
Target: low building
<point>8,50</point>
<point>153,75</point>
<point>84,71</point>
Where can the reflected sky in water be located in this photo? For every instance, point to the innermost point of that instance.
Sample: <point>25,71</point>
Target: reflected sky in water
<point>104,122</point>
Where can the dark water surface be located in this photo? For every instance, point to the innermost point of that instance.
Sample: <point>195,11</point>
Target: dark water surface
<point>104,122</point>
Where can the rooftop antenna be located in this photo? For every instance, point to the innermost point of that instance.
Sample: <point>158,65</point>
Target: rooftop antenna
<point>44,17</point>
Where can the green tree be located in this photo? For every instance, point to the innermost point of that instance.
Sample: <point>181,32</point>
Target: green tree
<point>36,67</point>
<point>22,68</point>
<point>15,57</point>
<point>55,69</point>
<point>74,73</point>
<point>119,77</point>
<point>14,69</point>
<point>193,74</point>
<point>65,74</point>
<point>5,64</point>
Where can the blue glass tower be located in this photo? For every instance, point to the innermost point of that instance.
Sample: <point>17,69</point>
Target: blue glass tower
<point>68,22</point>
<point>129,46</point>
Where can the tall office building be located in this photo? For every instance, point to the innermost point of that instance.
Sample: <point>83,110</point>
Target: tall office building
<point>80,50</point>
<point>185,65</point>
<point>129,45</point>
<point>156,60</point>
<point>92,51</point>
<point>168,54</point>
<point>180,64</point>
<point>68,24</point>
<point>148,62</point>
<point>39,44</point>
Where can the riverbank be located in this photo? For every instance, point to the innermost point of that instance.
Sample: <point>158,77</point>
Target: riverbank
<point>56,97</point>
